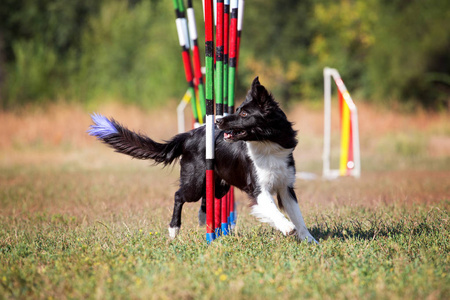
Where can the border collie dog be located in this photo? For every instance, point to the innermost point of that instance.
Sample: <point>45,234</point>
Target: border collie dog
<point>253,152</point>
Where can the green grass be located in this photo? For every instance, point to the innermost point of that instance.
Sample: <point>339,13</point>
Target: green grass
<point>57,256</point>
<point>94,227</point>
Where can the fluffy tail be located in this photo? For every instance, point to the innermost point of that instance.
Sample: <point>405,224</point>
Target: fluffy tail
<point>136,145</point>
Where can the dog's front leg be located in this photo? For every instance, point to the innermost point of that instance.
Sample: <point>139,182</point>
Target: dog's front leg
<point>290,204</point>
<point>267,211</point>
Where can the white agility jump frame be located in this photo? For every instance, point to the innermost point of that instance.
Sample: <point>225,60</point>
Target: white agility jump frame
<point>180,111</point>
<point>347,167</point>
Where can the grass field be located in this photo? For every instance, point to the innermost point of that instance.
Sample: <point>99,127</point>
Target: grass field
<point>79,221</point>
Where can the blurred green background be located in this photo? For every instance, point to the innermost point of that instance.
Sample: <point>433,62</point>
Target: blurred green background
<point>85,51</point>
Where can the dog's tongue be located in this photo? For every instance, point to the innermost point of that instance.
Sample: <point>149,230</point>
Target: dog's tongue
<point>226,135</point>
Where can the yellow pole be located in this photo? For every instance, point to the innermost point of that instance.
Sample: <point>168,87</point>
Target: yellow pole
<point>345,136</point>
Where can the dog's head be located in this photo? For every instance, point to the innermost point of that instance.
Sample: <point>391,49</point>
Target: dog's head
<point>258,118</point>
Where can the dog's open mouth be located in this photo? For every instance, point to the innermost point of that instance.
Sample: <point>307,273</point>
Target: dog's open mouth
<point>230,135</point>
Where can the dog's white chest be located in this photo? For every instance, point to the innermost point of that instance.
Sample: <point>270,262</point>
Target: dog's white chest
<point>271,164</point>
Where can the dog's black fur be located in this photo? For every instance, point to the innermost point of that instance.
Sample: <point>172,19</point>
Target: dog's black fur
<point>258,119</point>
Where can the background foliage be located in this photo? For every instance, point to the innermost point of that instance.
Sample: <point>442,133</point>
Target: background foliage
<point>127,50</point>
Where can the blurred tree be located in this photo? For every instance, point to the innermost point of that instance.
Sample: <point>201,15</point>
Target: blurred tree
<point>37,38</point>
<point>132,54</point>
<point>276,39</point>
<point>59,24</point>
<point>127,49</point>
<point>410,60</point>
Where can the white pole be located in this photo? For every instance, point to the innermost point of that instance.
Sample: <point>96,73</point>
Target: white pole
<point>356,149</point>
<point>240,15</point>
<point>327,122</point>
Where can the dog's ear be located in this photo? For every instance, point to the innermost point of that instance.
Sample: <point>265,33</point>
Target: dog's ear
<point>259,92</point>
<point>255,82</point>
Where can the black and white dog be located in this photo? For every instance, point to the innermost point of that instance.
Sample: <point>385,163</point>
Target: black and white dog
<point>253,152</point>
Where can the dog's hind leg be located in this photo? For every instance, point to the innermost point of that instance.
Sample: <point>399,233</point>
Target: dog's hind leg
<point>220,190</point>
<point>202,212</point>
<point>288,199</point>
<point>181,196</point>
<point>192,188</point>
<point>175,224</point>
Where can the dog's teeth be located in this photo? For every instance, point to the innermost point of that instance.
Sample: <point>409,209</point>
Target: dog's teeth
<point>227,135</point>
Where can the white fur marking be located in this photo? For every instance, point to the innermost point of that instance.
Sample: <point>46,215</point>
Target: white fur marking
<point>173,232</point>
<point>266,211</point>
<point>273,173</point>
<point>275,176</point>
<point>270,160</point>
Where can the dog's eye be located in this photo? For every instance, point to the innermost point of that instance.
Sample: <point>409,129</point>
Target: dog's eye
<point>243,114</point>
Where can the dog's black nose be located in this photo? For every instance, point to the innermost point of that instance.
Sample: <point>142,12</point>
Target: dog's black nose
<point>219,121</point>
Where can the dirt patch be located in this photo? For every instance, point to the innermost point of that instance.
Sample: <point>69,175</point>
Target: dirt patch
<point>63,124</point>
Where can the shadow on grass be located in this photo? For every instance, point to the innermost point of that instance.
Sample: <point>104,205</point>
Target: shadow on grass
<point>370,229</point>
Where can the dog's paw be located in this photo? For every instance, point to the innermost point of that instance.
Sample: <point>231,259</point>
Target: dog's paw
<point>306,236</point>
<point>288,228</point>
<point>201,218</point>
<point>293,232</point>
<point>173,232</point>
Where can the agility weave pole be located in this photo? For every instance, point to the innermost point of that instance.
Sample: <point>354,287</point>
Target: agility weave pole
<point>226,200</point>
<point>226,29</point>
<point>349,161</point>
<point>236,12</point>
<point>221,206</point>
<point>228,213</point>
<point>219,213</point>
<point>232,54</point>
<point>198,80</point>
<point>219,86</point>
<point>209,92</point>
<point>239,29</point>
<point>183,38</point>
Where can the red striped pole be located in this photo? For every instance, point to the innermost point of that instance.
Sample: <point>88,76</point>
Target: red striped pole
<point>209,91</point>
<point>197,64</point>
<point>219,58</point>
<point>232,53</point>
<point>226,24</point>
<point>219,203</point>
<point>239,29</point>
<point>231,86</point>
<point>183,38</point>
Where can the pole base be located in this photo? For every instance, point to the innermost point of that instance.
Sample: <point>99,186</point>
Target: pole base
<point>210,237</point>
